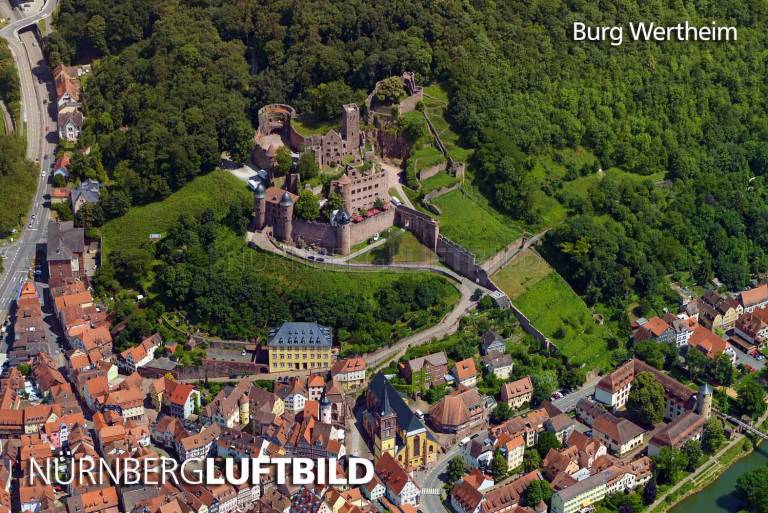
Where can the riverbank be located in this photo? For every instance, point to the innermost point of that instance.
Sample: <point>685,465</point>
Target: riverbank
<point>709,472</point>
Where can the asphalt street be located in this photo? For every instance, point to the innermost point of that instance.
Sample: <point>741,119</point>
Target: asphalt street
<point>38,125</point>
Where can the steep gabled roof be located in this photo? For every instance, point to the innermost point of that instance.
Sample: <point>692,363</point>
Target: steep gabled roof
<point>384,391</point>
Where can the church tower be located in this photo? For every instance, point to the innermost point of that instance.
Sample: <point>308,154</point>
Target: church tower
<point>387,420</point>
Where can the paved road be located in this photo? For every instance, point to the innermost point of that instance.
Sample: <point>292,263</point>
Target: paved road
<point>568,402</point>
<point>431,482</point>
<point>37,115</point>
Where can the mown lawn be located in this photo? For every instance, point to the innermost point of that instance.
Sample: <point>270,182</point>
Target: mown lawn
<point>478,229</point>
<point>410,251</point>
<point>441,179</point>
<point>307,125</point>
<point>522,273</point>
<point>555,309</point>
<point>216,190</point>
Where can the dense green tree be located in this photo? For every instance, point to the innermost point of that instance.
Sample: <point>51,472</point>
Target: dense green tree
<point>693,453</point>
<point>646,399</point>
<point>283,161</point>
<point>720,370</point>
<point>307,206</point>
<point>668,465</point>
<point>307,166</point>
<point>537,491</point>
<point>17,181</point>
<point>390,90</point>
<point>713,436</point>
<point>333,202</point>
<point>751,399</point>
<point>115,203</point>
<point>544,384</point>
<point>325,100</point>
<point>650,491</point>
<point>650,352</point>
<point>696,362</point>
<point>501,413</point>
<point>498,466</point>
<point>89,215</point>
<point>456,469</point>
<point>547,440</point>
<point>238,139</point>
<point>752,490</point>
<point>531,460</point>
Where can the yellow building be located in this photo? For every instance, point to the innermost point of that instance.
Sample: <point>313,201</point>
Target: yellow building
<point>394,428</point>
<point>299,346</point>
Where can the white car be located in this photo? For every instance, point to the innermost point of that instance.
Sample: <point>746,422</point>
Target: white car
<point>42,174</point>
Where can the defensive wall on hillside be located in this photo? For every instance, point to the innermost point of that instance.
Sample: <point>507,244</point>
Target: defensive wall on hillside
<point>311,233</point>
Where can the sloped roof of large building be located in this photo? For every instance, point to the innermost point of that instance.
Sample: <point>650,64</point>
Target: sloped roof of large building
<point>708,342</point>
<point>754,296</point>
<point>64,241</point>
<point>522,386</point>
<point>627,372</point>
<point>619,430</point>
<point>434,359</point>
<point>501,498</point>
<point>679,430</point>
<point>300,334</point>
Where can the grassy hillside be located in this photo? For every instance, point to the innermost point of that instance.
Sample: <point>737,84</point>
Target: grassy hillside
<point>216,190</point>
<point>555,309</point>
<point>478,228</point>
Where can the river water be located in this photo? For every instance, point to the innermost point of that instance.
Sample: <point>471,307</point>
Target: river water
<point>717,498</point>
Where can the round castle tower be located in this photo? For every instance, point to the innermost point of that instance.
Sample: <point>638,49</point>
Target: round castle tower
<point>286,218</point>
<point>260,206</point>
<point>704,401</point>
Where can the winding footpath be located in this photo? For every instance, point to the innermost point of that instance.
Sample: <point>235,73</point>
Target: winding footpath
<point>448,325</point>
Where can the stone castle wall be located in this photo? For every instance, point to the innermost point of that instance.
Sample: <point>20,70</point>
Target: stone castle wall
<point>311,233</point>
<point>423,227</point>
<point>365,229</point>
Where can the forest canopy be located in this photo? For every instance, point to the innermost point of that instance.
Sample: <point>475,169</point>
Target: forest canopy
<point>181,81</point>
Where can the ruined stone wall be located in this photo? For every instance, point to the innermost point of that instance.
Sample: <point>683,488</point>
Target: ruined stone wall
<point>409,104</point>
<point>431,171</point>
<point>392,146</point>
<point>440,192</point>
<point>365,229</point>
<point>307,233</point>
